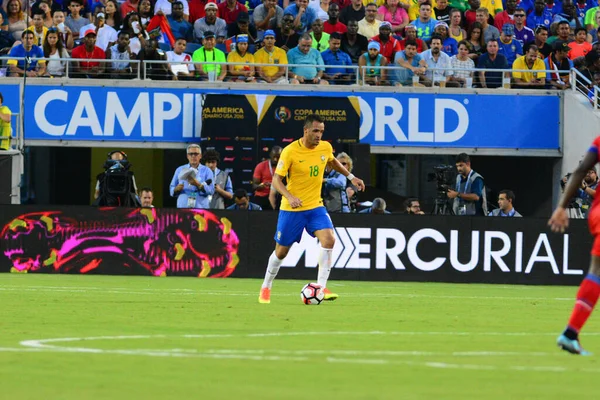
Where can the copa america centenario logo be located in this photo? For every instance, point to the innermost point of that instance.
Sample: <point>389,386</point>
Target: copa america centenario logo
<point>283,114</point>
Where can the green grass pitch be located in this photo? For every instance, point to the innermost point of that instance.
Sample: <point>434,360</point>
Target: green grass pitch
<point>102,337</point>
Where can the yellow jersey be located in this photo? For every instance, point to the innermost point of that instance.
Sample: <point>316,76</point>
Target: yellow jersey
<point>5,130</point>
<point>234,57</point>
<point>304,169</point>
<point>538,65</point>
<point>278,56</point>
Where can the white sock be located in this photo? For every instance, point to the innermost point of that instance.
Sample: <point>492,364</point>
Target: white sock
<point>272,270</point>
<point>325,260</point>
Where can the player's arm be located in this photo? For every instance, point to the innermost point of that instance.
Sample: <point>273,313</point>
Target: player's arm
<point>560,220</point>
<point>335,164</point>
<point>280,187</point>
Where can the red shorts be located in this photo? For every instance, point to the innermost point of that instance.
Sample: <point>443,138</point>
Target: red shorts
<point>594,225</point>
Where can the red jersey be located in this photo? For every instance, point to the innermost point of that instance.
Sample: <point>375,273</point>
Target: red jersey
<point>470,18</point>
<point>339,27</point>
<point>228,15</point>
<point>197,9</point>
<point>501,19</point>
<point>81,53</point>
<point>264,173</point>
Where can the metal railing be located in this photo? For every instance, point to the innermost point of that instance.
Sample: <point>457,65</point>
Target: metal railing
<point>585,87</point>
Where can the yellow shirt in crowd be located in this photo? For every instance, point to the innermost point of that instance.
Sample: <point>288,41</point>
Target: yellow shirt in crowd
<point>5,130</point>
<point>278,56</point>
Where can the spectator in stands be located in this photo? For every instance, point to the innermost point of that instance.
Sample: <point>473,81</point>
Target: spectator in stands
<point>305,54</point>
<point>105,34</point>
<point>176,57</point>
<point>267,16</point>
<point>145,11</point>
<point>334,56</point>
<point>38,28</point>
<point>320,39</point>
<point>569,13</point>
<point>192,183</point>
<point>5,128</point>
<point>369,73</point>
<point>351,190</point>
<point>129,6</point>
<point>242,201</point>
<point>582,7</point>
<point>592,19</point>
<point>89,51</point>
<point>591,63</point>
<point>304,16</point>
<point>208,53</point>
<point>540,16</point>
<point>410,33</point>
<point>44,6</point>
<point>137,34</point>
<point>563,30</point>
<point>64,33</point>
<point>54,49</point>
<point>506,16</point>
<point>151,52</point>
<point>354,12</point>
<point>489,31</point>
<point>561,65</point>
<point>531,62</point>
<point>210,23</point>
<point>378,207</point>
<point>388,45</point>
<point>394,15</point>
<point>30,52</point>
<point>439,66</point>
<point>333,24</point>
<point>287,38</point>
<point>369,25</point>
<point>412,206</point>
<point>230,9</point>
<point>449,45</point>
<point>147,197</point>
<point>505,208</point>
<point>271,54</point>
<point>476,43</point>
<point>242,27</point>
<point>321,8</point>
<point>442,11</point>
<point>508,45</point>
<point>463,65</point>
<point>455,29</point>
<point>354,44</point>
<point>412,65</point>
<point>523,34</point>
<point>335,198</point>
<point>221,179</point>
<point>166,8</point>
<point>555,7</point>
<point>491,60</point>
<point>593,32</point>
<point>425,24</point>
<point>541,36</point>
<point>263,176</point>
<point>179,26</point>
<point>113,16</point>
<point>587,191</point>
<point>469,192</point>
<point>580,46</point>
<point>471,13</point>
<point>415,9</point>
<point>120,54</point>
<point>241,73</point>
<point>75,21</point>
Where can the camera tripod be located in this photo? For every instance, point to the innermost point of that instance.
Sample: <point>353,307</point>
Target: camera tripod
<point>441,207</point>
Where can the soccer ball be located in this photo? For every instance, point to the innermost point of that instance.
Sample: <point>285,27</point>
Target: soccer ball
<point>312,294</point>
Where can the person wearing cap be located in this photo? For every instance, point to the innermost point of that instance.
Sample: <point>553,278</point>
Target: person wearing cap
<point>506,16</point>
<point>369,25</point>
<point>334,56</point>
<point>354,12</point>
<point>559,63</point>
<point>271,54</point>
<point>267,16</point>
<point>210,23</point>
<point>304,16</point>
<point>410,33</point>
<point>311,69</point>
<point>449,45</point>
<point>241,73</point>
<point>287,38</point>
<point>388,45</point>
<point>320,39</point>
<point>165,7</point>
<point>580,46</point>
<point>368,64</point>
<point>507,44</point>
<point>242,27</point>
<point>88,51</point>
<point>411,62</point>
<point>529,62</point>
<point>74,20</point>
<point>106,34</point>
<point>206,54</point>
<point>425,24</point>
<point>392,13</point>
<point>230,9</point>
<point>178,24</point>
<point>27,50</point>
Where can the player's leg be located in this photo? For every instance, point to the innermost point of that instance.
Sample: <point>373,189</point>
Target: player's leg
<point>321,227</point>
<point>587,297</point>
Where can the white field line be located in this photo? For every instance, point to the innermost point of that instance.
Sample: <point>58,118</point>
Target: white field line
<point>188,292</point>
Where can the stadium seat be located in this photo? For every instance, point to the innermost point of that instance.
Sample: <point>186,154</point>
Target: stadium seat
<point>222,47</point>
<point>164,46</point>
<point>190,48</point>
<point>251,48</point>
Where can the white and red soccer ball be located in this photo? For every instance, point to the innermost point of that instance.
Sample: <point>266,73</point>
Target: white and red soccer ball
<point>312,294</point>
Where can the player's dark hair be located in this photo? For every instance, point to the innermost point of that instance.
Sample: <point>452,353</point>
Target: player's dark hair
<point>410,42</point>
<point>211,155</point>
<point>240,193</point>
<point>308,121</point>
<point>146,189</point>
<point>462,157</point>
<point>276,149</point>
<point>577,30</point>
<point>408,202</point>
<point>509,195</point>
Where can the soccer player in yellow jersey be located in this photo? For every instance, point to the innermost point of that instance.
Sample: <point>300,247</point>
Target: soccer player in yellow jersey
<point>5,130</point>
<point>303,162</point>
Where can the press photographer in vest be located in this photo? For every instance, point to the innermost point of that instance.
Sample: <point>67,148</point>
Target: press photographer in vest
<point>469,192</point>
<point>222,180</point>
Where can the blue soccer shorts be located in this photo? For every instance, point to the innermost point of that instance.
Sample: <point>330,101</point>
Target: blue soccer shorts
<point>291,224</point>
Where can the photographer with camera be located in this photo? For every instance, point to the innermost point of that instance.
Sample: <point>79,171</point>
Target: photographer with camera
<point>192,183</point>
<point>469,193</point>
<point>579,206</point>
<point>115,187</point>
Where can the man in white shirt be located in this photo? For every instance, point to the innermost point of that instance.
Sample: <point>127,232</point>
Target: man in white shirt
<point>436,59</point>
<point>105,34</point>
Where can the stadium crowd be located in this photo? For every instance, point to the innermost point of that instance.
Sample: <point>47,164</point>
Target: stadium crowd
<point>327,41</point>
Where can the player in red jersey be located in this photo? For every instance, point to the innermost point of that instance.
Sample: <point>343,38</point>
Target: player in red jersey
<point>589,290</point>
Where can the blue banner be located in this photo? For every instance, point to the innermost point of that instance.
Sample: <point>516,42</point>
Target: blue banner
<point>12,100</point>
<point>387,119</point>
